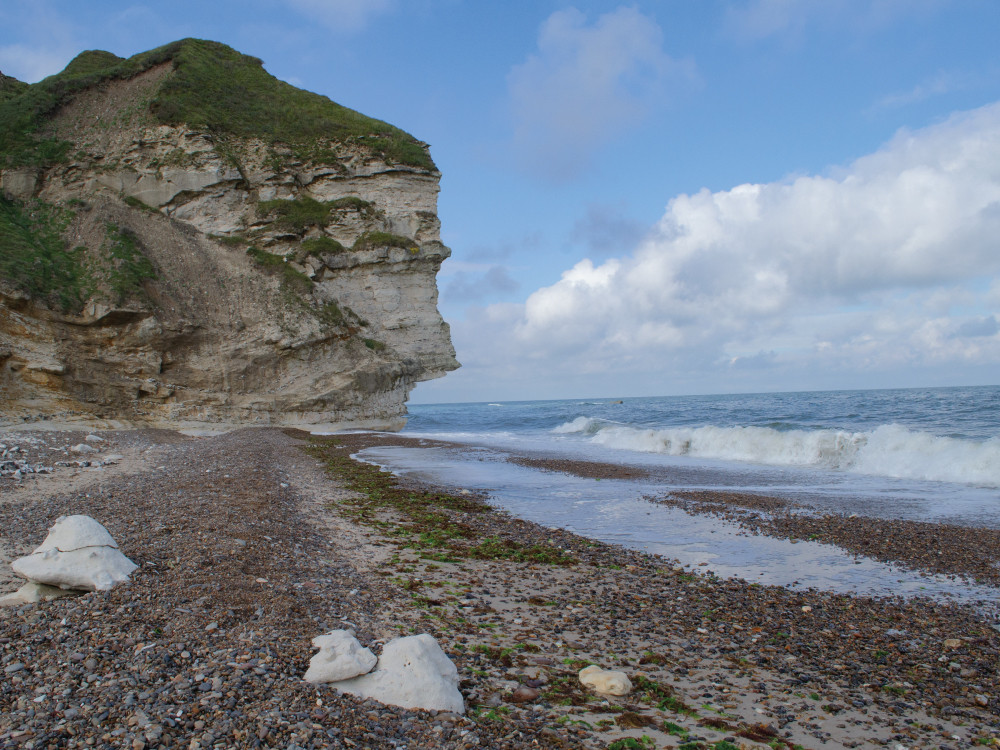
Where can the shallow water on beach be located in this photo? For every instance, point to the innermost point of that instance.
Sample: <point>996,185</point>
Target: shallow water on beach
<point>615,511</point>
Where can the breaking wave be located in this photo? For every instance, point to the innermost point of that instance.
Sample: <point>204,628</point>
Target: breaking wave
<point>888,450</point>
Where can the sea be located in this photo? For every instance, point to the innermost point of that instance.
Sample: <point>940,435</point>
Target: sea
<point>924,454</point>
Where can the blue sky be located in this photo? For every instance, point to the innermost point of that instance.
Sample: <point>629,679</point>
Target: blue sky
<point>658,197</point>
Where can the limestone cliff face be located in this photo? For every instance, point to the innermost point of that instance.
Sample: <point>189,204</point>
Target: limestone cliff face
<point>215,279</point>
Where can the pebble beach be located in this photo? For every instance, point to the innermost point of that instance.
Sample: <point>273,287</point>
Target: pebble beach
<point>251,543</point>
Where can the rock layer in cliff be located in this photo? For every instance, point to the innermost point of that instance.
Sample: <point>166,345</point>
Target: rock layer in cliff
<point>185,240</point>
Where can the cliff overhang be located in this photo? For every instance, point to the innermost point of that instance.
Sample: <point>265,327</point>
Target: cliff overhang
<point>186,241</point>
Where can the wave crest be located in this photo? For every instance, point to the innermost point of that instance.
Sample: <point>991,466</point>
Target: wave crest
<point>889,450</point>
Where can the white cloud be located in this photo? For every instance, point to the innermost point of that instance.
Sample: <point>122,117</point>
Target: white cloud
<point>32,64</point>
<point>760,19</point>
<point>586,84</point>
<point>764,18</point>
<point>466,286</point>
<point>892,262</point>
<point>45,40</point>
<point>606,230</point>
<point>938,85</point>
<point>343,16</point>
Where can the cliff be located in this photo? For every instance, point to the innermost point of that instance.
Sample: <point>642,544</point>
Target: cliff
<point>187,241</point>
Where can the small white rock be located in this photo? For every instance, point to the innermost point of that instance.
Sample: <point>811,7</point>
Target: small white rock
<point>341,657</point>
<point>607,681</point>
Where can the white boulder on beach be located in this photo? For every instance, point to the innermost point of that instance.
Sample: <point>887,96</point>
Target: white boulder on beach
<point>412,672</point>
<point>607,681</point>
<point>341,656</point>
<point>78,553</point>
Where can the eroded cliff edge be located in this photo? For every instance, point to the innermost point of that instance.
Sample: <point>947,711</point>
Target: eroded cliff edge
<point>186,241</point>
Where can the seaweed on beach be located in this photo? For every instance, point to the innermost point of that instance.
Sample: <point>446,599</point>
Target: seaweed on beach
<point>438,525</point>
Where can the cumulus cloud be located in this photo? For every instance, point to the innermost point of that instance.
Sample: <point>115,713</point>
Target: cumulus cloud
<point>889,262</point>
<point>585,84</point>
<point>343,16</point>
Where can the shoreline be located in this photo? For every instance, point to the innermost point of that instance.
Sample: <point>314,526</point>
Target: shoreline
<point>966,551</point>
<point>715,660</point>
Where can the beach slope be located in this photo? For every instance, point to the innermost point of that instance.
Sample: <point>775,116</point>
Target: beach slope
<point>251,543</point>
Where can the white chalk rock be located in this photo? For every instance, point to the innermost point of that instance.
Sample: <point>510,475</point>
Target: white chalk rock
<point>341,656</point>
<point>78,553</point>
<point>33,593</point>
<point>607,681</point>
<point>412,672</point>
<point>83,448</point>
<point>76,532</point>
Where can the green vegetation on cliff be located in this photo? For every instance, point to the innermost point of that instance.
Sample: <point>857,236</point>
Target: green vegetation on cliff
<point>10,87</point>
<point>372,240</point>
<point>319,246</point>
<point>278,264</point>
<point>296,215</point>
<point>125,265</point>
<point>303,212</point>
<point>34,258</point>
<point>211,86</point>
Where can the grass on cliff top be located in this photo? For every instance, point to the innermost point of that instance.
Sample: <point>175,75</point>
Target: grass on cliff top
<point>439,526</point>
<point>212,86</point>
<point>10,87</point>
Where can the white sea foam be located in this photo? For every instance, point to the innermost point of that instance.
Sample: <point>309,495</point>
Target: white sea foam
<point>889,450</point>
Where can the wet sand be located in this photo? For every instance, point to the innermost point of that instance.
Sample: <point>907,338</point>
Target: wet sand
<point>253,542</point>
<point>945,549</point>
<point>936,548</point>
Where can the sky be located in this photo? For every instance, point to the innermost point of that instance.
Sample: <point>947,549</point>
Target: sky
<point>660,197</point>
